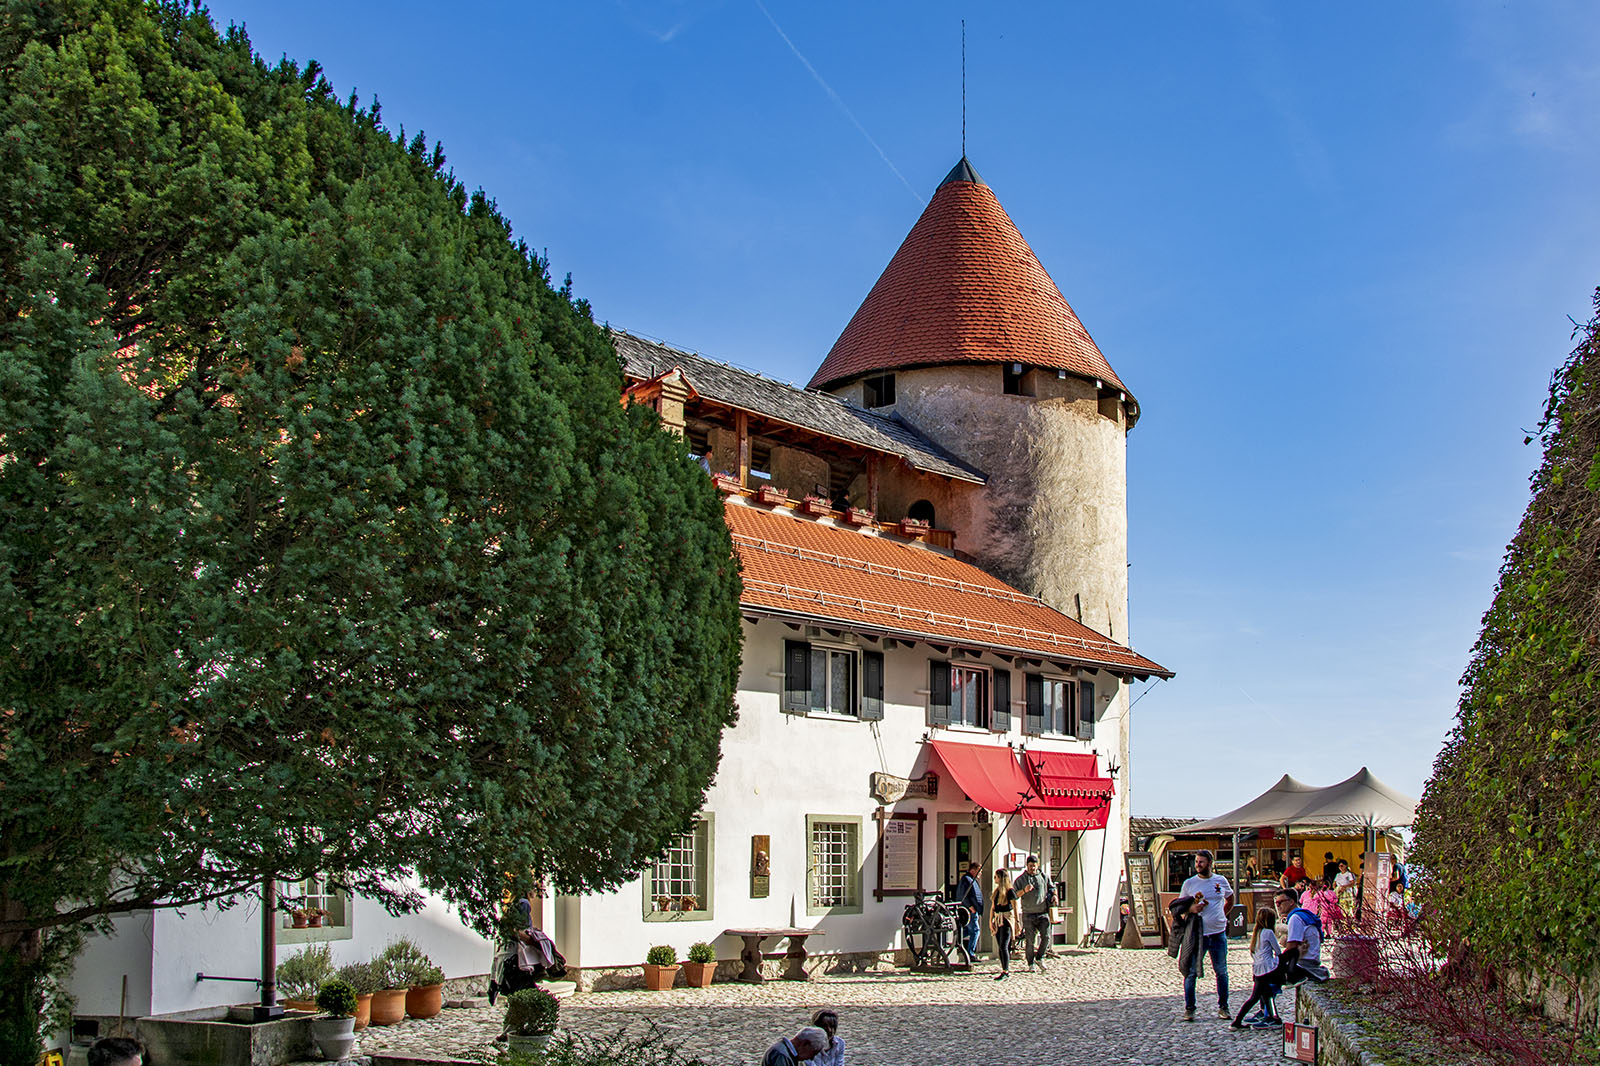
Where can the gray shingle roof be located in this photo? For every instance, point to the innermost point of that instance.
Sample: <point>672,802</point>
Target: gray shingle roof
<point>816,411</point>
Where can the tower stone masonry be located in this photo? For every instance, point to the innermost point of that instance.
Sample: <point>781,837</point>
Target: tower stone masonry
<point>989,360</point>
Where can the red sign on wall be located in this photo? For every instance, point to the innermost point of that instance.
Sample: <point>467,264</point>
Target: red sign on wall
<point>1299,1042</point>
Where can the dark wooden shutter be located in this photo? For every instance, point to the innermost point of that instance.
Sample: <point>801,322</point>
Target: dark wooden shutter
<point>1000,717</point>
<point>796,677</point>
<point>872,686</point>
<point>1085,710</point>
<point>938,693</point>
<point>1033,717</point>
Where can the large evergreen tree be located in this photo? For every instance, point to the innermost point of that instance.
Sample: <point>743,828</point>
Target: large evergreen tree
<point>325,543</point>
<point>1508,831</point>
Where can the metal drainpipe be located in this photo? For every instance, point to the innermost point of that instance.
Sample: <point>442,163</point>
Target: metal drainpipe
<point>269,1008</point>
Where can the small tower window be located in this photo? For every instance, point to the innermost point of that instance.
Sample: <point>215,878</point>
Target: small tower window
<point>1017,380</point>
<point>923,510</point>
<point>878,391</point>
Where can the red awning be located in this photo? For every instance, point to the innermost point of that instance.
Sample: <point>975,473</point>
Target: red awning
<point>1067,775</point>
<point>1071,792</point>
<point>989,775</point>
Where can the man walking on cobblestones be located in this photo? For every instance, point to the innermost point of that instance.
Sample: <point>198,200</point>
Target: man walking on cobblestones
<point>1034,891</point>
<point>969,893</point>
<point>1213,898</point>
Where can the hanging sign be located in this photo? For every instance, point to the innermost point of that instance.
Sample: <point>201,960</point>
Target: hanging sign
<point>887,788</point>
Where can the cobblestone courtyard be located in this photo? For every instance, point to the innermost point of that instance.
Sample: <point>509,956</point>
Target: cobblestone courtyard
<point>1092,1008</point>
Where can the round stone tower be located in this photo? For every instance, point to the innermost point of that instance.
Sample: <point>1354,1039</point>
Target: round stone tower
<point>966,338</point>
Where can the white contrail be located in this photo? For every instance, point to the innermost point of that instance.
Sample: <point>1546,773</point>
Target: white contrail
<point>835,98</point>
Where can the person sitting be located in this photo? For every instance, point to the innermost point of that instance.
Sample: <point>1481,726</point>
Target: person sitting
<point>806,1045</point>
<point>116,1051</point>
<point>528,957</point>
<point>828,1022</point>
<point>1302,950</point>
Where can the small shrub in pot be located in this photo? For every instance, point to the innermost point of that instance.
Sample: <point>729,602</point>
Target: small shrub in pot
<point>531,1016</point>
<point>335,1034</point>
<point>702,965</point>
<point>660,967</point>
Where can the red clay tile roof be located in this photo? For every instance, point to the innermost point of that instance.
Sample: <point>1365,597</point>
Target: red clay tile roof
<point>798,567</point>
<point>963,288</point>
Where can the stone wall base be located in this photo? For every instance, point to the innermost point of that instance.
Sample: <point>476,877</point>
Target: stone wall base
<point>611,978</point>
<point>1339,1040</point>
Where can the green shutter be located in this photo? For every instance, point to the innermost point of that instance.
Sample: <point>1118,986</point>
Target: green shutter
<point>1033,716</point>
<point>796,677</point>
<point>1085,710</point>
<point>938,693</point>
<point>1000,716</point>
<point>872,686</point>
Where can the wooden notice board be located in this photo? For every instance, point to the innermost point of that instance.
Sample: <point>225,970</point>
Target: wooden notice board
<point>1141,873</point>
<point>899,853</point>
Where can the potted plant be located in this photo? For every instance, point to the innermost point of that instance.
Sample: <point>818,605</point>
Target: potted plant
<point>389,1001</point>
<point>363,977</point>
<point>725,482</point>
<point>772,494</point>
<point>335,1032</point>
<point>299,976</point>
<point>531,1015</point>
<point>314,916</point>
<point>409,967</point>
<point>913,527</point>
<point>660,967</point>
<point>818,505</point>
<point>859,516</point>
<point>702,965</point>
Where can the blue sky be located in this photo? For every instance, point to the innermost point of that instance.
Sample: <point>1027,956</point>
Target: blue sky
<point>1333,251</point>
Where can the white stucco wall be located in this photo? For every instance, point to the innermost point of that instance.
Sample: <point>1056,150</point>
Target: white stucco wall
<point>778,768</point>
<point>162,952</point>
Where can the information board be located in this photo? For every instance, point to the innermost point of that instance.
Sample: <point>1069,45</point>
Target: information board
<point>1299,1042</point>
<point>1141,874</point>
<point>899,853</point>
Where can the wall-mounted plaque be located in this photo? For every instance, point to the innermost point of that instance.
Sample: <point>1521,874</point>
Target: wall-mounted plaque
<point>1140,869</point>
<point>899,853</point>
<point>760,866</point>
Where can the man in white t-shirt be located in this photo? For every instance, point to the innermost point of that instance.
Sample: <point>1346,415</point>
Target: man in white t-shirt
<point>1213,896</point>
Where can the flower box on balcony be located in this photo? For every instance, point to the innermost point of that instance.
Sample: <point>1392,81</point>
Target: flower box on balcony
<point>725,482</point>
<point>913,527</point>
<point>817,505</point>
<point>859,516</point>
<point>773,495</point>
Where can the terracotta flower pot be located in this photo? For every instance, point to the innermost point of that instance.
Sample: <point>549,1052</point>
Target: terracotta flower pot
<point>659,978</point>
<point>299,921</point>
<point>388,1006</point>
<point>699,974</point>
<point>424,1001</point>
<point>314,921</point>
<point>298,1004</point>
<point>363,1011</point>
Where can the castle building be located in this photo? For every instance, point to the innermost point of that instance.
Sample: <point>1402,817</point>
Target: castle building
<point>933,539</point>
<point>936,656</point>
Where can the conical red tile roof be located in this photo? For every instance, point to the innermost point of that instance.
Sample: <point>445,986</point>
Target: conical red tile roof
<point>963,288</point>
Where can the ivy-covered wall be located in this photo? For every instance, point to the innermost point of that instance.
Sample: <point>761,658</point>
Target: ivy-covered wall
<point>1508,833</point>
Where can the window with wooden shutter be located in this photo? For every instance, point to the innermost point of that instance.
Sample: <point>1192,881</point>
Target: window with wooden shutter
<point>1086,710</point>
<point>1000,715</point>
<point>796,677</point>
<point>872,686</point>
<point>1033,715</point>
<point>938,693</point>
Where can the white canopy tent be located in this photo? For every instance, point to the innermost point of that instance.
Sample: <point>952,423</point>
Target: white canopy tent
<point>1360,801</point>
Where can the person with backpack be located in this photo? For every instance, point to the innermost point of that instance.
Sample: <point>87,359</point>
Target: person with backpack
<point>1037,895</point>
<point>1302,949</point>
